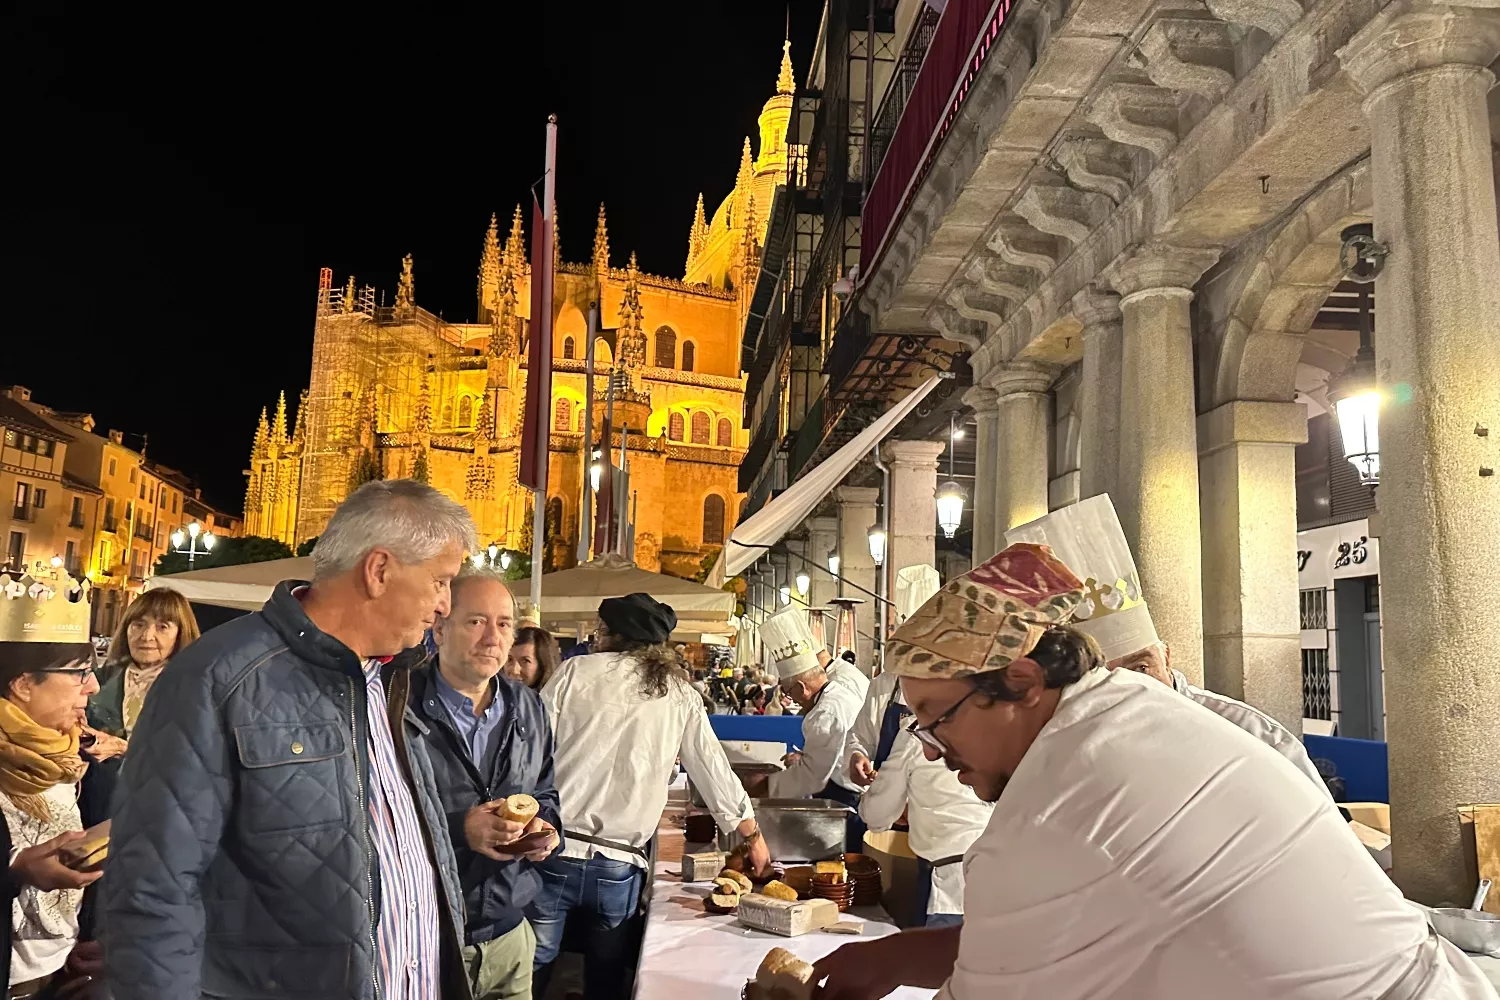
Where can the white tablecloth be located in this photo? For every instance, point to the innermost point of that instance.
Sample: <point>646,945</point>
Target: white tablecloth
<point>690,953</point>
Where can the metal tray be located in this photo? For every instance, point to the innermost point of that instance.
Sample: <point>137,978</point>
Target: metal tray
<point>798,829</point>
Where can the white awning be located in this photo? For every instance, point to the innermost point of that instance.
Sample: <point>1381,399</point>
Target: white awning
<point>769,525</point>
<point>246,586</point>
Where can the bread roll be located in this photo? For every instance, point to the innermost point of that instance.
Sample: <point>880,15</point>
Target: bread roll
<point>779,890</point>
<point>719,902</point>
<point>739,877</point>
<point>784,975</point>
<point>520,809</point>
<point>727,887</point>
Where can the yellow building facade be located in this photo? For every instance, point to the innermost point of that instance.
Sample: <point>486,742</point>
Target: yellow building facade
<point>397,392</point>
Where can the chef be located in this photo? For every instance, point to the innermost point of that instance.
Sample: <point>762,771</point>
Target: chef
<point>880,717</point>
<point>830,693</point>
<point>1088,538</point>
<point>943,818</point>
<point>1140,847</point>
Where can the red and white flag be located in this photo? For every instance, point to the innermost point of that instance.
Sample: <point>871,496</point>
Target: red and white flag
<point>536,427</point>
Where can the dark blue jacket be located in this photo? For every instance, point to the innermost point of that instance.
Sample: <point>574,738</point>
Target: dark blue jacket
<point>241,864</point>
<point>495,892</point>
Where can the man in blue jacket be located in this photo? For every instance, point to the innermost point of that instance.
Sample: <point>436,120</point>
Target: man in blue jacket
<point>277,830</point>
<point>488,738</point>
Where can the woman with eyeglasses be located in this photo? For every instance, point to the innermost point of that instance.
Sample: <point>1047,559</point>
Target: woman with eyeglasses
<point>158,625</point>
<point>44,692</point>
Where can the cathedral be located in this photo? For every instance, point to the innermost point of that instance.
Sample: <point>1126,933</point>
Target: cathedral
<point>396,392</point>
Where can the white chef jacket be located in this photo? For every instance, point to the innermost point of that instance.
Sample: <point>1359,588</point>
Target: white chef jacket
<point>614,749</point>
<point>1147,850</point>
<point>1255,722</point>
<point>944,817</point>
<point>825,730</point>
<point>864,736</point>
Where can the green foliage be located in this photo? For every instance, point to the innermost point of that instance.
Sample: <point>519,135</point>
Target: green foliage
<point>706,566</point>
<point>227,552</point>
<point>305,549</point>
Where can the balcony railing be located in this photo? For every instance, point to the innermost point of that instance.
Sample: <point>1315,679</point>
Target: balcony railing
<point>111,524</point>
<point>962,41</point>
<point>903,80</point>
<point>23,512</point>
<point>146,532</point>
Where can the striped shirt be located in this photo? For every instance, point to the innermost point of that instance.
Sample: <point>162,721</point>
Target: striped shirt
<point>406,940</point>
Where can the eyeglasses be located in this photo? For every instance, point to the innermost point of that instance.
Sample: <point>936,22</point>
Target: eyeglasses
<point>80,675</point>
<point>927,735</point>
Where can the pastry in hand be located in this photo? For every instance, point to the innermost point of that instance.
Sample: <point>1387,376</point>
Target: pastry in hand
<point>784,976</point>
<point>520,809</point>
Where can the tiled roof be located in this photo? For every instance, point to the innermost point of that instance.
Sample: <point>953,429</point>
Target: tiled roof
<point>15,415</point>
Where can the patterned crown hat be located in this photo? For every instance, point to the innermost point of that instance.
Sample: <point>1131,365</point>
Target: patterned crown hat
<point>1087,537</point>
<point>988,618</point>
<point>42,603</point>
<point>788,643</point>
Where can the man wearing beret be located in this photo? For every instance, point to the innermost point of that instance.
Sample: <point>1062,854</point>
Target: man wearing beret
<point>1141,848</point>
<point>621,717</point>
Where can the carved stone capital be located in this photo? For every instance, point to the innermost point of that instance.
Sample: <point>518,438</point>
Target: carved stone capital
<point>1410,36</point>
<point>1014,378</point>
<point>981,399</point>
<point>914,455</point>
<point>1095,306</point>
<point>1160,267</point>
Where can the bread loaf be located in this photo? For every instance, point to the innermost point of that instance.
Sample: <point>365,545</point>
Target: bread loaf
<point>784,976</point>
<point>779,890</point>
<point>520,809</point>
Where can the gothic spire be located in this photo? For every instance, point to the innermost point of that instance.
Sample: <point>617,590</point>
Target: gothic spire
<point>631,336</point>
<point>489,265</point>
<point>786,83</point>
<point>278,425</point>
<point>299,429</point>
<point>747,167</point>
<point>698,234</point>
<point>351,296</point>
<point>515,244</point>
<point>262,437</point>
<point>601,244</point>
<point>479,478</point>
<point>406,291</point>
<point>422,419</point>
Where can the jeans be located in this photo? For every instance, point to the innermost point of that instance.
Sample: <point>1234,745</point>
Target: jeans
<point>607,894</point>
<point>945,920</point>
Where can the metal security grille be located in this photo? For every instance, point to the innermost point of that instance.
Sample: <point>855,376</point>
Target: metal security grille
<point>1314,608</point>
<point>1317,693</point>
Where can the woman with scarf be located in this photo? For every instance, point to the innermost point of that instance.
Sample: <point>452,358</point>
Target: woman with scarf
<point>621,718</point>
<point>156,626</point>
<point>44,691</point>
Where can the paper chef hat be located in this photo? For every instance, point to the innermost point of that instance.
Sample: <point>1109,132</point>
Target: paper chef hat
<point>1087,537</point>
<point>788,643</point>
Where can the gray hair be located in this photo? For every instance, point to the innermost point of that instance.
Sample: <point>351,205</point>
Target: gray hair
<point>410,519</point>
<point>486,572</point>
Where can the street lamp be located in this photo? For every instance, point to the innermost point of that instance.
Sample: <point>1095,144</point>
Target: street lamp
<point>833,562</point>
<point>786,595</point>
<point>596,472</point>
<point>505,560</point>
<point>803,582</point>
<point>194,531</point>
<point>877,544</point>
<point>950,495</point>
<point>493,555</point>
<point>1355,395</point>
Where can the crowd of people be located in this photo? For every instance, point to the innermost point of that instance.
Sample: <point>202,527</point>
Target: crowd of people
<point>386,786</point>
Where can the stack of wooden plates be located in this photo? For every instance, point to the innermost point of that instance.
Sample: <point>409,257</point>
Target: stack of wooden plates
<point>841,892</point>
<point>864,872</point>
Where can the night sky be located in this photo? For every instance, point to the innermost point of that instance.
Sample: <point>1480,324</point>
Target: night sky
<point>179,177</point>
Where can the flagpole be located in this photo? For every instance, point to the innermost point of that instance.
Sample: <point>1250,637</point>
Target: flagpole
<point>541,325</point>
<point>585,513</point>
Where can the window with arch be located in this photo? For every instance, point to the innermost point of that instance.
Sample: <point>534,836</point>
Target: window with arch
<point>713,519</point>
<point>726,433</point>
<point>466,411</point>
<point>568,348</point>
<point>562,419</point>
<point>674,427</point>
<point>689,355</point>
<point>666,348</point>
<point>700,428</point>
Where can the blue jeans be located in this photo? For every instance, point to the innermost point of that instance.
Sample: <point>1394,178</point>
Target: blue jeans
<point>945,920</point>
<point>607,894</point>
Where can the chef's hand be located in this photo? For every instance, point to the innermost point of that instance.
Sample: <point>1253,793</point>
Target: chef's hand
<point>862,971</point>
<point>41,867</point>
<point>757,854</point>
<point>791,759</point>
<point>486,830</point>
<point>548,845</point>
<point>861,771</point>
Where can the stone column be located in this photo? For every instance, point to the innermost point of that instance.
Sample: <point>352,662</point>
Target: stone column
<point>822,538</point>
<point>913,500</point>
<point>1099,391</point>
<point>1021,443</point>
<point>1252,645</point>
<point>856,515</point>
<point>1158,473</point>
<point>1438,360</point>
<point>987,416</point>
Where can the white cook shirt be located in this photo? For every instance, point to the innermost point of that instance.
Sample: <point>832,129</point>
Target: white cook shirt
<point>1147,850</point>
<point>1255,722</point>
<point>864,736</point>
<point>944,817</point>
<point>614,751</point>
<point>825,730</point>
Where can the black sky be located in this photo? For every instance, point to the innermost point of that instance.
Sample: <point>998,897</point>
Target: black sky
<point>177,181</point>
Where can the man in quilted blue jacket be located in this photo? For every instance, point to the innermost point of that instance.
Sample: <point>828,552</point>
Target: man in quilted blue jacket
<point>277,830</point>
